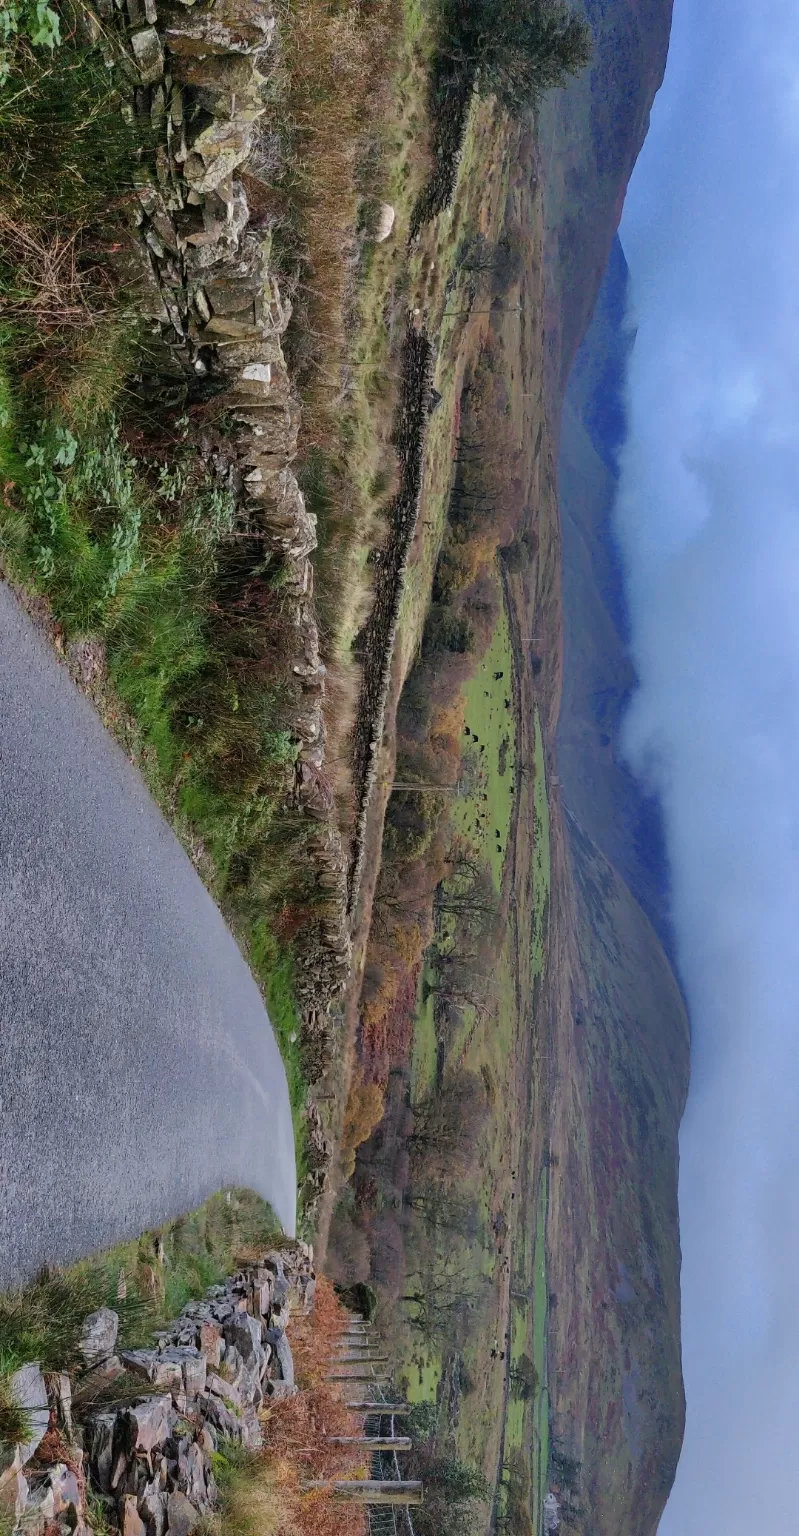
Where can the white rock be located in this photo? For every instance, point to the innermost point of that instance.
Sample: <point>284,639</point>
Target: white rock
<point>385,222</point>
<point>259,371</point>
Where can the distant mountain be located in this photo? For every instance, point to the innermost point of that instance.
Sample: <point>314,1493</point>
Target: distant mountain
<point>590,136</point>
<point>619,1021</point>
<point>598,675</point>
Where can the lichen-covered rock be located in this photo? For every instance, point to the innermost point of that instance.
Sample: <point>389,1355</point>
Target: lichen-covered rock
<point>217,151</point>
<point>222,26</point>
<point>149,55</point>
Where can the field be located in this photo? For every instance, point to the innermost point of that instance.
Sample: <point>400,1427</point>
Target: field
<point>503,812</point>
<point>484,814</point>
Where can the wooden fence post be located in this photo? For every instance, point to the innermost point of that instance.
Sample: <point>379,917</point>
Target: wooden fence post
<point>375,1442</point>
<point>368,1491</point>
<point>358,1375</point>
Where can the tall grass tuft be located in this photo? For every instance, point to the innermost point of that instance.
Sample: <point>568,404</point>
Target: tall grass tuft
<point>43,1322</point>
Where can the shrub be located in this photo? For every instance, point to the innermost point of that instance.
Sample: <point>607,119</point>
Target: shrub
<point>363,1114</point>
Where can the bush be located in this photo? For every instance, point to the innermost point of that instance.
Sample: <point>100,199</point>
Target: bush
<point>360,1298</point>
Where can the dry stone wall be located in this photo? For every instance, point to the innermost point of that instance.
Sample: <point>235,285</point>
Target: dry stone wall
<point>198,267</point>
<point>146,1460</point>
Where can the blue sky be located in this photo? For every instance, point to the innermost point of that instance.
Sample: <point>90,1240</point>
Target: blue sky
<point>708,519</point>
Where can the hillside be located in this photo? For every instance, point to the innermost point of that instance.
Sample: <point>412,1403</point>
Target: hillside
<point>617,1022</point>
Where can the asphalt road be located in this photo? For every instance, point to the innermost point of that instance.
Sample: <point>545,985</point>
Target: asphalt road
<point>138,1069</point>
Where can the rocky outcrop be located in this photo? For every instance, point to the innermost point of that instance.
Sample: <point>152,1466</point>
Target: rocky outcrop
<point>147,1457</point>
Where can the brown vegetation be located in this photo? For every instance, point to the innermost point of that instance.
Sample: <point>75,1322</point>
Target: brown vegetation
<point>297,1432</point>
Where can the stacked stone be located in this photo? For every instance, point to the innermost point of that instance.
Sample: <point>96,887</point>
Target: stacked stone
<point>149,1462</point>
<point>201,270</point>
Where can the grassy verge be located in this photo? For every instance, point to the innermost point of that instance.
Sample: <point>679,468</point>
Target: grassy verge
<point>127,553</point>
<point>147,1281</point>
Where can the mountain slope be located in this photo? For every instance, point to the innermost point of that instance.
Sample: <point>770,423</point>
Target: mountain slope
<point>614,1012</point>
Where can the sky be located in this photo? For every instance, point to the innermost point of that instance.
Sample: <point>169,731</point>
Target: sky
<point>708,520</point>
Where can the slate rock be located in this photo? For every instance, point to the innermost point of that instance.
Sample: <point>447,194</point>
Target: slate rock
<point>27,1386</point>
<point>100,1432</point>
<point>152,1508</point>
<point>150,1423</point>
<point>211,1342</point>
<point>224,1389</point>
<point>149,55</point>
<point>130,1521</point>
<point>277,1338</point>
<point>181,1516</point>
<point>228,26</point>
<point>221,1418</point>
<point>65,1489</point>
<point>157,1366</point>
<point>243,1333</point>
<point>278,1390</point>
<point>191,1473</point>
<point>98,1335</point>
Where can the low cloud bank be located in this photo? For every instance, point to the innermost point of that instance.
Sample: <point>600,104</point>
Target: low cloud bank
<point>708,520</point>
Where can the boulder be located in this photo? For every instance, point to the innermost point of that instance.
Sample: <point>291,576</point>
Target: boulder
<point>150,1423</point>
<point>385,222</point>
<point>243,1333</point>
<point>217,151</point>
<point>227,1390</point>
<point>229,294</point>
<point>152,1508</point>
<point>231,74</point>
<point>191,1474</point>
<point>279,1390</point>
<point>220,1417</point>
<point>99,1335</point>
<point>152,1365</point>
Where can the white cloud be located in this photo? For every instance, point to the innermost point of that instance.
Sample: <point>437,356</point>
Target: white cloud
<point>709,522</point>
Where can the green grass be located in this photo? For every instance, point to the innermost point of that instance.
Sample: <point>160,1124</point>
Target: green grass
<point>273,967</point>
<point>163,1270</point>
<point>425,1047</point>
<point>424,1371</point>
<point>127,552</point>
<point>516,1416</point>
<point>541,852</point>
<point>492,728</point>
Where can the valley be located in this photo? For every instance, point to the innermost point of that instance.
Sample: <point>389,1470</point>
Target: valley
<point>328,544</point>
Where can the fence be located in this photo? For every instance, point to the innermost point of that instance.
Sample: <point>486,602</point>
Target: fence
<point>389,1514</point>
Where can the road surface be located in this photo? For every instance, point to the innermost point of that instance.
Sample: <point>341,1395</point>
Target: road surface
<point>139,1072</point>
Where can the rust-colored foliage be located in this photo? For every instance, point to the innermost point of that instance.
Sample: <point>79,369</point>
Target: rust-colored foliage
<point>297,1432</point>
